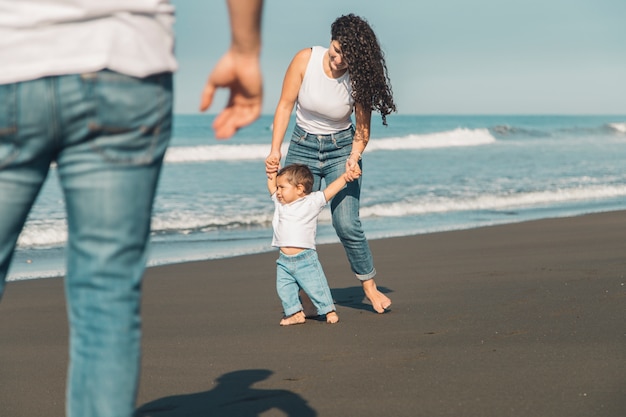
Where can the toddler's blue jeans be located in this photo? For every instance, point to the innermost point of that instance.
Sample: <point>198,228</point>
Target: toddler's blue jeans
<point>302,270</point>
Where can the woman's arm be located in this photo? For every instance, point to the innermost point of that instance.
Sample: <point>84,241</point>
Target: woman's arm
<point>289,95</point>
<point>361,138</point>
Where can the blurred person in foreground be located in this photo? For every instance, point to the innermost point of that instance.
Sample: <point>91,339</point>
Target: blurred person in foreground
<point>87,85</point>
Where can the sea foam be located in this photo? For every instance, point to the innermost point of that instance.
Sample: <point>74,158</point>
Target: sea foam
<point>425,205</point>
<point>618,127</point>
<point>451,138</point>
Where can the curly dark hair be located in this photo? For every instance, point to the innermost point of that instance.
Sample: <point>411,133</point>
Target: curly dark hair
<point>371,86</point>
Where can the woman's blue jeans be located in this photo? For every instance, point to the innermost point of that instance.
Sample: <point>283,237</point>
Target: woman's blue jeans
<point>107,134</point>
<point>326,156</point>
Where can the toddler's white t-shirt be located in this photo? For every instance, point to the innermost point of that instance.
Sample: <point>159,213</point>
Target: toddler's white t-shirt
<point>295,224</point>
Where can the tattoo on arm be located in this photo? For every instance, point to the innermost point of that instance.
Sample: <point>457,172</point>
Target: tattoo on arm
<point>359,138</point>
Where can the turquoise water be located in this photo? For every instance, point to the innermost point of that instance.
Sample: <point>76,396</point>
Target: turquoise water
<point>421,174</point>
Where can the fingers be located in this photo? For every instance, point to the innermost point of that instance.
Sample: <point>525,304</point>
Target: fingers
<point>241,75</point>
<point>272,165</point>
<point>353,170</point>
<point>351,176</point>
<point>234,117</point>
<point>206,99</point>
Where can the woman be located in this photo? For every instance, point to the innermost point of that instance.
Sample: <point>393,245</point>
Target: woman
<point>326,86</point>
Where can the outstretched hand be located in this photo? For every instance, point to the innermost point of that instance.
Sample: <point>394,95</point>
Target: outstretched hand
<point>241,73</point>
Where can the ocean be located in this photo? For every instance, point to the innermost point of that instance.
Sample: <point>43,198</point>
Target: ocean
<point>421,174</point>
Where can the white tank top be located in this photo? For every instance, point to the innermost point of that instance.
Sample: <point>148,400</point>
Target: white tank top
<point>41,38</point>
<point>324,104</point>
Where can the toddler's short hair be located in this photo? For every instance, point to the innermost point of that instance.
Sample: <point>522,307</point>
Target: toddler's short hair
<point>298,174</point>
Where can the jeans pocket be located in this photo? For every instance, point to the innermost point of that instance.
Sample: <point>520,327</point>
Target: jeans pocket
<point>298,138</point>
<point>132,116</point>
<point>344,139</point>
<point>345,143</point>
<point>8,124</point>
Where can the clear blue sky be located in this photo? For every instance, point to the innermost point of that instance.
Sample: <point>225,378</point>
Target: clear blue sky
<point>444,56</point>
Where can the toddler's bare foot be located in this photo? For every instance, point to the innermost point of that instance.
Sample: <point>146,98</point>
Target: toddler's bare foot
<point>297,318</point>
<point>379,301</point>
<point>332,317</point>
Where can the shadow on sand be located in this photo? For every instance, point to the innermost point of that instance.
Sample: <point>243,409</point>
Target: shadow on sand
<point>353,297</point>
<point>233,396</point>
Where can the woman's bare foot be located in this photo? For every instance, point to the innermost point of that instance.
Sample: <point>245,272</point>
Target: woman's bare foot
<point>332,317</point>
<point>297,318</point>
<point>379,301</point>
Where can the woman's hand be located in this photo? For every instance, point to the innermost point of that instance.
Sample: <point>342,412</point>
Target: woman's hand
<point>353,170</point>
<point>272,163</point>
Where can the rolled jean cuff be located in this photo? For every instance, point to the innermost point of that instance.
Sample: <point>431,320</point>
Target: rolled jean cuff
<point>367,276</point>
<point>293,310</point>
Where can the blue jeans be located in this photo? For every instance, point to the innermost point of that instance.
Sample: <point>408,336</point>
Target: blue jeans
<point>326,156</point>
<point>302,270</point>
<point>107,134</point>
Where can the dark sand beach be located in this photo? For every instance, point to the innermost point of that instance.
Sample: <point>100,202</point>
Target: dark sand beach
<point>523,320</point>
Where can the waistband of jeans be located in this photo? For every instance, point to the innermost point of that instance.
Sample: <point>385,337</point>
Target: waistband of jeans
<point>349,132</point>
<point>304,254</point>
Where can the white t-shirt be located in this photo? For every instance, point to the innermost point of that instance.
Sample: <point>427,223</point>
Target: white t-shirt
<point>324,104</point>
<point>41,38</point>
<point>295,224</point>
